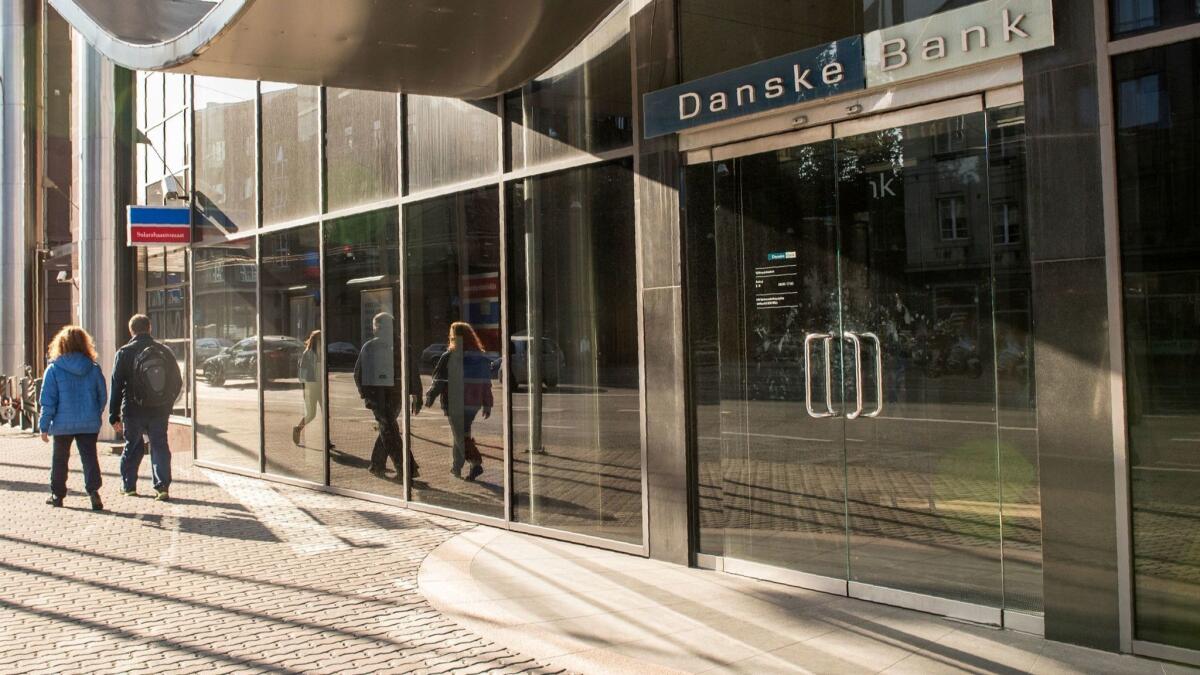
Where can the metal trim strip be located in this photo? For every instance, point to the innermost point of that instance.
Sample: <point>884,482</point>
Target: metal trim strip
<point>1166,652</point>
<point>755,570</point>
<point>940,110</point>
<point>1034,624</point>
<point>772,143</point>
<point>956,609</point>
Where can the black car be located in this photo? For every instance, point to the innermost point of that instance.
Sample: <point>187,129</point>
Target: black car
<point>281,357</point>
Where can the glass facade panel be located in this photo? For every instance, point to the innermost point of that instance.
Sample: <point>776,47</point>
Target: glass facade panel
<point>1158,164</point>
<point>226,139</point>
<point>1129,17</point>
<point>704,356</point>
<point>360,147</point>
<point>227,415</point>
<point>449,141</point>
<point>583,104</point>
<point>292,354</point>
<point>366,390</point>
<point>452,249</point>
<point>572,374</point>
<point>749,31</point>
<point>1016,403</point>
<point>290,126</point>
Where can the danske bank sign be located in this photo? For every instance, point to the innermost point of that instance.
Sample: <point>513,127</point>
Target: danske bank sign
<point>947,41</point>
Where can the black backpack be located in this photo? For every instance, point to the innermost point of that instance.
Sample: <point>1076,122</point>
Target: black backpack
<point>155,381</point>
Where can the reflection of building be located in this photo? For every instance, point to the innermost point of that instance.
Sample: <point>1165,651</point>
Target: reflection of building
<point>1025,253</point>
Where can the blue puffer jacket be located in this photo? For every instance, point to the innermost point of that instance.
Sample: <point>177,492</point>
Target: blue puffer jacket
<point>73,396</point>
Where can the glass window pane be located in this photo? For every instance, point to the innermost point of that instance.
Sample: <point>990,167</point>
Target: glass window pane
<point>155,99</point>
<point>143,102</point>
<point>175,145</point>
<point>226,347</point>
<point>154,156</point>
<point>573,353</point>
<point>1158,169</point>
<point>450,141</point>
<point>1016,403</point>
<point>583,104</point>
<point>225,146</point>
<point>292,354</point>
<point>174,326</point>
<point>291,121</point>
<point>749,31</point>
<point>704,354</point>
<point>366,397</point>
<point>1138,16</point>
<point>173,92</point>
<point>360,146</point>
<point>452,246</point>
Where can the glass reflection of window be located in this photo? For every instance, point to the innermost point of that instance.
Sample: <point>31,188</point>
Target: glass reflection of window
<point>572,378</point>
<point>953,213</point>
<point>1006,219</point>
<point>583,104</point>
<point>226,136</point>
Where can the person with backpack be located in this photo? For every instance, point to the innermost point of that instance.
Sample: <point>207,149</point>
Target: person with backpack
<point>145,383</point>
<point>72,401</point>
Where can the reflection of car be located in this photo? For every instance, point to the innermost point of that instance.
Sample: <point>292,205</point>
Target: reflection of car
<point>341,355</point>
<point>281,356</point>
<point>206,348</point>
<point>430,356</point>
<point>553,361</point>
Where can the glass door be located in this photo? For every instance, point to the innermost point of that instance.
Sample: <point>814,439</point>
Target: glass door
<point>922,476</point>
<point>861,445</point>
<point>782,441</point>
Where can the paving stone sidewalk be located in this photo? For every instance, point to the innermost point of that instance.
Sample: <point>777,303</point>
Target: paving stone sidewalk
<point>233,575</point>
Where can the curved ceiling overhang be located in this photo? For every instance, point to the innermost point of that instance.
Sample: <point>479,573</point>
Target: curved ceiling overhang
<point>466,49</point>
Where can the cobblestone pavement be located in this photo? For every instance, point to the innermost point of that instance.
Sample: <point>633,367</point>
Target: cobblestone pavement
<point>233,575</point>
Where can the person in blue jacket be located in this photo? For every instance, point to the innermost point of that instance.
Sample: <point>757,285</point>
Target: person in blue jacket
<point>73,398</point>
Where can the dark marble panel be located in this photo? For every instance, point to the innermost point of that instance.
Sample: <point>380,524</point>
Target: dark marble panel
<point>1066,208</point>
<point>1076,453</point>
<point>666,436</point>
<point>1074,38</point>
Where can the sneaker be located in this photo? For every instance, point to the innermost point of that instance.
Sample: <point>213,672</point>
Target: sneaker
<point>457,473</point>
<point>296,434</point>
<point>161,496</point>
<point>54,501</point>
<point>97,505</point>
<point>375,471</point>
<point>127,493</point>
<point>476,470</point>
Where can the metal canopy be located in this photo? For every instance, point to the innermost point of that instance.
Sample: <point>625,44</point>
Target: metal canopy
<point>467,49</point>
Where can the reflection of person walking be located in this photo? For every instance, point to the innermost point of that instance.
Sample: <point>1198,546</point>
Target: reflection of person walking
<point>72,400</point>
<point>462,379</point>
<point>309,375</point>
<point>376,376</point>
<point>145,385</point>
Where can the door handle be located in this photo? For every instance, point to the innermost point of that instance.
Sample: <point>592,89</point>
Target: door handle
<point>808,398</point>
<point>878,374</point>
<point>858,378</point>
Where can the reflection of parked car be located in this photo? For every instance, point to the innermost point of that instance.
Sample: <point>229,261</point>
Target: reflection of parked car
<point>341,355</point>
<point>430,356</point>
<point>553,361</point>
<point>281,355</point>
<point>206,348</point>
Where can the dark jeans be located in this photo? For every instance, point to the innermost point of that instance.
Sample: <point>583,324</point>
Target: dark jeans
<point>135,449</point>
<point>389,442</point>
<point>86,445</point>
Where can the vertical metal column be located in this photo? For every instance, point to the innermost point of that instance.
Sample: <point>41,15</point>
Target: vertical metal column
<point>14,185</point>
<point>95,139</point>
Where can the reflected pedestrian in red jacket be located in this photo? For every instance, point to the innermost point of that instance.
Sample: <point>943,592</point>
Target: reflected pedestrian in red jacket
<point>462,379</point>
